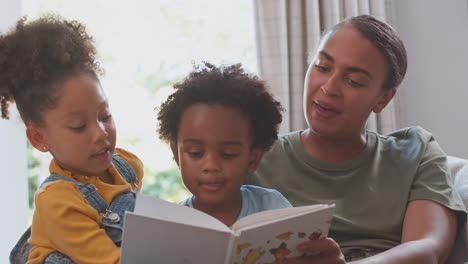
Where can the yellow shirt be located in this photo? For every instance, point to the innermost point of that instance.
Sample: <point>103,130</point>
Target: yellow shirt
<point>66,222</point>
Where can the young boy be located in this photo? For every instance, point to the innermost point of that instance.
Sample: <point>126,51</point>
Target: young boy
<point>219,122</point>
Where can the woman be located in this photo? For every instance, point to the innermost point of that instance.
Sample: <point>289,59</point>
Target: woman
<point>394,201</point>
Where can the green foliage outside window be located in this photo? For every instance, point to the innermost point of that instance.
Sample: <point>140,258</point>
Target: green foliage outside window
<point>166,185</point>
<point>144,48</point>
<point>33,173</point>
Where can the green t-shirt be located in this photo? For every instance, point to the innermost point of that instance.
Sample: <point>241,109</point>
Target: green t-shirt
<point>371,191</point>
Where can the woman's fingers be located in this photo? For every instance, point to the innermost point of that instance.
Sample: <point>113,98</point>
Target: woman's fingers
<point>323,247</point>
<point>324,251</point>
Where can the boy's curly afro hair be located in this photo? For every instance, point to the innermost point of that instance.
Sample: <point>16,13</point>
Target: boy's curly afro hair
<point>227,85</point>
<point>35,57</point>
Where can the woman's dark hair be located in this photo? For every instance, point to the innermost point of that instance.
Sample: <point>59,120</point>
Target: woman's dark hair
<point>386,39</point>
<point>227,85</point>
<point>35,57</point>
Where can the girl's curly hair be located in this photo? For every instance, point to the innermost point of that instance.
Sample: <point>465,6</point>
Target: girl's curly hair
<point>227,85</point>
<point>35,57</point>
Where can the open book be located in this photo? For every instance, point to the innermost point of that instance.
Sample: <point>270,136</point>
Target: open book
<point>162,232</point>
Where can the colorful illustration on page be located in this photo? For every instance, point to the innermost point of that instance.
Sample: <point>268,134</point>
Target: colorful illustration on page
<point>253,255</point>
<point>284,236</point>
<point>240,247</point>
<point>316,235</point>
<point>280,252</point>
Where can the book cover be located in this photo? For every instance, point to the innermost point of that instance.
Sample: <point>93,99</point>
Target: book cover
<point>162,232</point>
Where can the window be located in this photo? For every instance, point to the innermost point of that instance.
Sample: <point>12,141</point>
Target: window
<point>144,47</point>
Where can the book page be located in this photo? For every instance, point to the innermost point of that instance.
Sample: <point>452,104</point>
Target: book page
<point>158,208</point>
<point>265,217</point>
<point>148,240</point>
<point>276,239</point>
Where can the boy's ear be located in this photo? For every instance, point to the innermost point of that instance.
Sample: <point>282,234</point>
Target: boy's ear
<point>255,157</point>
<point>36,137</point>
<point>175,152</point>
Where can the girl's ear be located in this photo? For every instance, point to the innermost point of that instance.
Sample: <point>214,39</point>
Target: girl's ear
<point>255,157</point>
<point>36,137</point>
<point>385,98</point>
<point>175,152</point>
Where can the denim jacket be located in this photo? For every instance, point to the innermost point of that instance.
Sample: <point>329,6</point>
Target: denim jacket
<point>113,213</point>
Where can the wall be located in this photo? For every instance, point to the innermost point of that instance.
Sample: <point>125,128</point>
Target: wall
<point>13,197</point>
<point>435,93</point>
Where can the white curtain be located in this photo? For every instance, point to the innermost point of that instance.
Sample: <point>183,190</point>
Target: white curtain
<point>288,32</point>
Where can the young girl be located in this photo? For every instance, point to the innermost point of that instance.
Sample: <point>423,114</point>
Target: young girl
<point>48,68</point>
<point>219,123</point>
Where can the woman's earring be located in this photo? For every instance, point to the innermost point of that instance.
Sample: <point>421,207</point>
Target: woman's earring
<point>45,148</point>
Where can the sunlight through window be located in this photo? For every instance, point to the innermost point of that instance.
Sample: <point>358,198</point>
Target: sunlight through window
<point>144,47</point>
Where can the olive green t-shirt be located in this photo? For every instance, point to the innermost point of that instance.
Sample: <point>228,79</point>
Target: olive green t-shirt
<point>371,191</point>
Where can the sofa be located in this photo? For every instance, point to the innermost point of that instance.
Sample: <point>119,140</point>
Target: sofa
<point>459,173</point>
